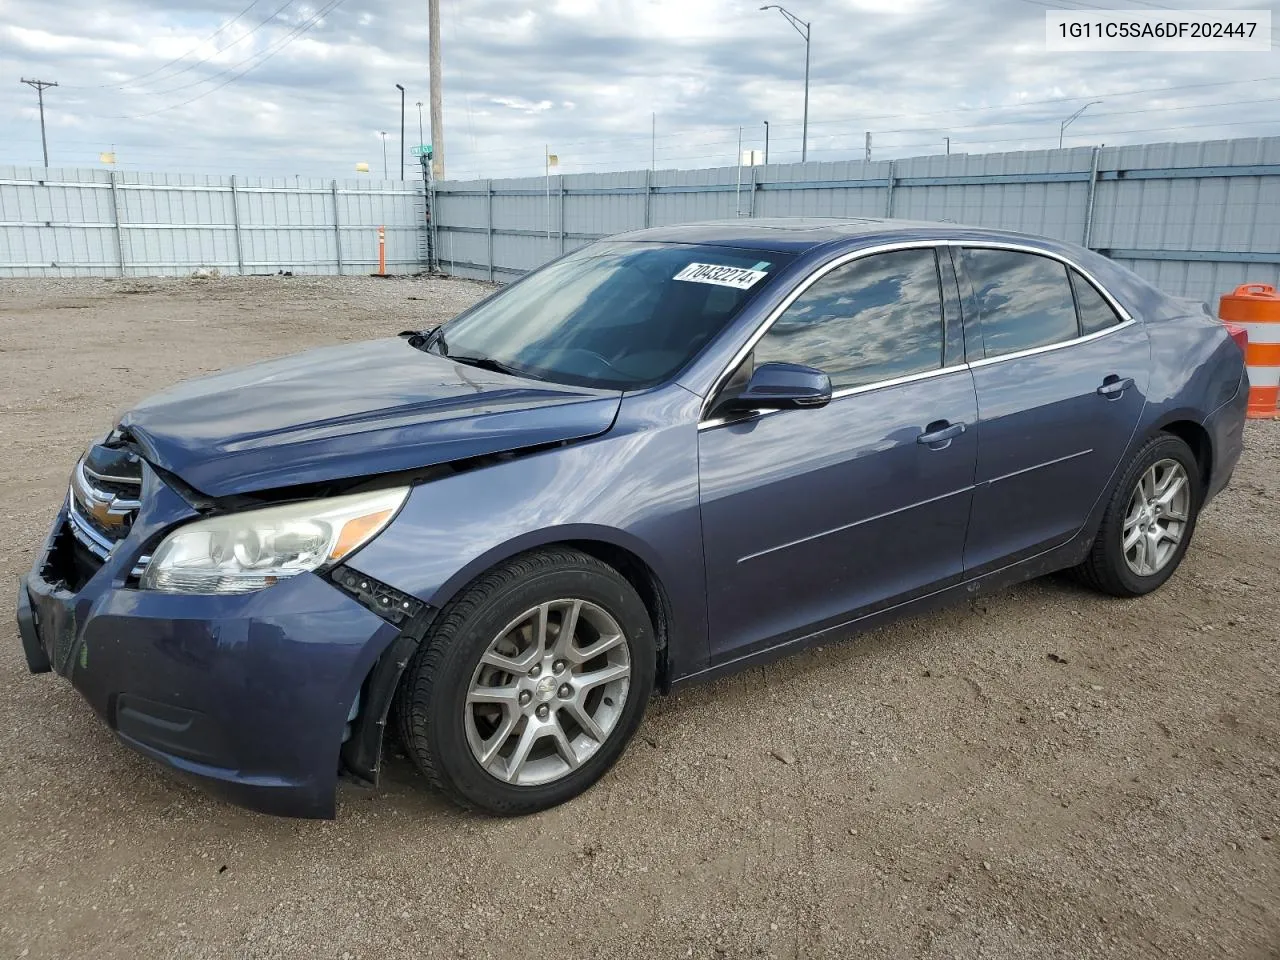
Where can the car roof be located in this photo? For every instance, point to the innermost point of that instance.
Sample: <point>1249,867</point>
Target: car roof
<point>800,234</point>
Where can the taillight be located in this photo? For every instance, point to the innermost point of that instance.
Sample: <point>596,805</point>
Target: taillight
<point>1239,334</point>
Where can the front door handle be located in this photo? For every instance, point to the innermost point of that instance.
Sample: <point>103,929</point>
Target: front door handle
<point>1113,386</point>
<point>940,432</point>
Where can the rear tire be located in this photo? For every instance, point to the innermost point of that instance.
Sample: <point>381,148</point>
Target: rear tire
<point>505,712</point>
<point>1156,500</point>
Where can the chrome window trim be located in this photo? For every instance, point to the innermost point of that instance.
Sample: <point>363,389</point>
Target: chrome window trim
<point>1032,351</point>
<point>1126,319</point>
<point>894,381</point>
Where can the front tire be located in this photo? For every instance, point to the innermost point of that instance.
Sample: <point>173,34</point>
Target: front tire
<point>1149,521</point>
<point>529,684</point>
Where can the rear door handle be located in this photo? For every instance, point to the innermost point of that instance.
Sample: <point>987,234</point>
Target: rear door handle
<point>940,432</point>
<point>1113,386</point>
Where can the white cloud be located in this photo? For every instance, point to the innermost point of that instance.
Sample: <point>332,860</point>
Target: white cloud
<point>584,76</point>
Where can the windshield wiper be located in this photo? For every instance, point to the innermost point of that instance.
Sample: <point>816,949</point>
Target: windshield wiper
<point>488,363</point>
<point>425,341</point>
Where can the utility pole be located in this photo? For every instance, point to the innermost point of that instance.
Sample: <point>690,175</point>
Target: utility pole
<point>40,86</point>
<point>400,87</point>
<point>437,92</point>
<point>868,145</point>
<point>948,139</point>
<point>383,135</point>
<point>653,140</point>
<point>421,140</point>
<point>766,143</point>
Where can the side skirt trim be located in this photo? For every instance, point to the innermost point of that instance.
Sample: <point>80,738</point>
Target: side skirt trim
<point>1054,559</point>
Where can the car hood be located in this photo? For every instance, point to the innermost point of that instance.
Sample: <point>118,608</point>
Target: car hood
<point>351,411</point>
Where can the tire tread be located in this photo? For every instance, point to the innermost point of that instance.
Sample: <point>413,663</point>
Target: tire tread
<point>414,694</point>
<point>1097,570</point>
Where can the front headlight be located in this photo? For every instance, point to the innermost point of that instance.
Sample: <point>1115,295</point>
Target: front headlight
<point>243,552</point>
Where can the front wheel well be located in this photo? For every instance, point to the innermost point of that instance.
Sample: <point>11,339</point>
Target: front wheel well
<point>1197,438</point>
<point>641,576</point>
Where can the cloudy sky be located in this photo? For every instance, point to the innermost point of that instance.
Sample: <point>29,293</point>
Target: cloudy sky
<point>280,87</point>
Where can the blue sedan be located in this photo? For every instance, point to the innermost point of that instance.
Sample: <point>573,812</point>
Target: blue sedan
<point>663,457</point>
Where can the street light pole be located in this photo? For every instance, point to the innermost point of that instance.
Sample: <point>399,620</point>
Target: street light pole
<point>383,134</point>
<point>40,86</point>
<point>401,89</point>
<point>1062,128</point>
<point>421,138</point>
<point>766,143</point>
<point>803,29</point>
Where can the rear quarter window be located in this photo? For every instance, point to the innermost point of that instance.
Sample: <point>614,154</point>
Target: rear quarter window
<point>1095,313</point>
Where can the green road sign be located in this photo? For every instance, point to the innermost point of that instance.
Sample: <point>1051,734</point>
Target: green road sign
<point>422,150</point>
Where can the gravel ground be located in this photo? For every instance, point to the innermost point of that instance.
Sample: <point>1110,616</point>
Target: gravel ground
<point>1042,773</point>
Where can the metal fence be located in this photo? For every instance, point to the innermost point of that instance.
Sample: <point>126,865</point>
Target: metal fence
<point>1197,219</point>
<point>99,223</point>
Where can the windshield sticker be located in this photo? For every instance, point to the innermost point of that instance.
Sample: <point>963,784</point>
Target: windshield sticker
<point>720,275</point>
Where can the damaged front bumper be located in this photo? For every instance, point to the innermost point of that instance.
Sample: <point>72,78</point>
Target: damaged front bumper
<point>248,695</point>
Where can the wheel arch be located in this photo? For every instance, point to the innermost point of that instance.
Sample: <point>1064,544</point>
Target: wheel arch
<point>627,554</point>
<point>361,754</point>
<point>647,584</point>
<point>1194,435</point>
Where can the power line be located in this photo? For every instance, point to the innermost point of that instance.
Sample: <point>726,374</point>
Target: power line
<point>861,121</point>
<point>178,59</point>
<point>238,40</point>
<point>221,73</point>
<point>267,55</point>
<point>977,142</point>
<point>730,140</point>
<point>1034,103</point>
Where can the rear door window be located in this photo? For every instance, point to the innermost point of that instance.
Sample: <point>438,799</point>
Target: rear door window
<point>1024,300</point>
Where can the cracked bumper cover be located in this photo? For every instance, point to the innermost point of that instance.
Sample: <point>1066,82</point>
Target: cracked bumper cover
<point>246,695</point>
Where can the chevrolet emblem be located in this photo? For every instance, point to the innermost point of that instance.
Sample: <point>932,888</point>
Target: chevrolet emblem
<point>108,512</point>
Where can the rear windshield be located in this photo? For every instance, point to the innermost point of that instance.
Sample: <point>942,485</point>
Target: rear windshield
<point>613,315</point>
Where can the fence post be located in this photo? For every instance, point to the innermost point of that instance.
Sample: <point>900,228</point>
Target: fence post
<point>1088,208</point>
<point>562,196</point>
<point>115,209</point>
<point>435,229</point>
<point>888,197</point>
<point>337,226</point>
<point>648,195</point>
<point>488,209</point>
<point>755,188</point>
<point>235,219</point>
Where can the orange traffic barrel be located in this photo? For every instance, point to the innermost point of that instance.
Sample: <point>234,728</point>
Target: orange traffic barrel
<point>1256,307</point>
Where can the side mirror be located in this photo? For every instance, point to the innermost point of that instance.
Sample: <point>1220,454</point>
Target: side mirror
<point>782,386</point>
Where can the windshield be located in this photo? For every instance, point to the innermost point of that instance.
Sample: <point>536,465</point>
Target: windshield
<point>614,315</point>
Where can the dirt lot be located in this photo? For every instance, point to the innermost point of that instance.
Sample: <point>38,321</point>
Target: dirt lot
<point>1045,773</point>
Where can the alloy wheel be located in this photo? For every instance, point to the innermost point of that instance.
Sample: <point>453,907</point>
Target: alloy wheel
<point>1156,518</point>
<point>548,691</point>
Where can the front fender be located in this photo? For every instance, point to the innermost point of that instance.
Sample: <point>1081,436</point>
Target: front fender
<point>635,488</point>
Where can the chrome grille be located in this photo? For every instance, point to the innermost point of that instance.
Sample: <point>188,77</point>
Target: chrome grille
<point>101,510</point>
